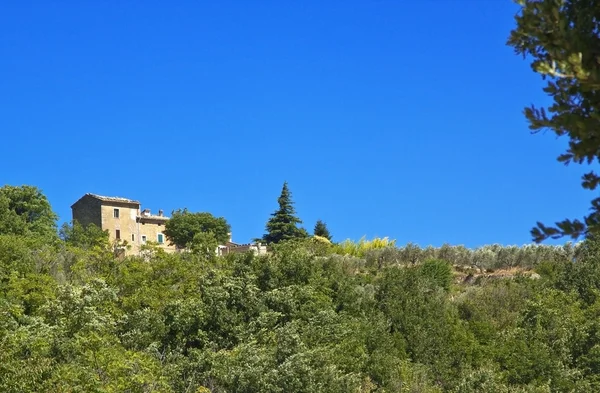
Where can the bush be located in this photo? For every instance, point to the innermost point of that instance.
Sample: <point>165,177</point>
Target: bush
<point>438,271</point>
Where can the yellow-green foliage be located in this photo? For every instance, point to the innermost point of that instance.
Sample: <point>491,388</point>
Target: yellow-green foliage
<point>358,249</point>
<point>321,239</point>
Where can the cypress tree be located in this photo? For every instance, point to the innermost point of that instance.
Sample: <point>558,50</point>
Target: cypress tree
<point>321,230</point>
<point>283,222</point>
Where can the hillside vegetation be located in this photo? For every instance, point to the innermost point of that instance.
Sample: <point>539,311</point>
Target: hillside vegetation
<point>311,316</point>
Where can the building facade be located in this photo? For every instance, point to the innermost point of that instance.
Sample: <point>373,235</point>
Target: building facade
<point>123,220</point>
<point>126,222</point>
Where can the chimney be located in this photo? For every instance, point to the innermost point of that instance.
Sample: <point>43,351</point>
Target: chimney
<point>160,212</point>
<point>146,212</point>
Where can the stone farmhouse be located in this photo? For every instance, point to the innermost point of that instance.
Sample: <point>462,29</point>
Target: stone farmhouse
<point>124,220</point>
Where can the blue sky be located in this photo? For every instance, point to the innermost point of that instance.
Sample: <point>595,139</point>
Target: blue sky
<point>387,118</point>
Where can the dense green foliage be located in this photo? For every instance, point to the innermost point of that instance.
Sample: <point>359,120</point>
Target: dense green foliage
<point>310,316</point>
<point>322,230</point>
<point>85,237</point>
<point>24,210</point>
<point>185,228</point>
<point>283,224</point>
<point>562,40</point>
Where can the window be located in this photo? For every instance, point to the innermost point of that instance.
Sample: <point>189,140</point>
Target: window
<point>143,239</point>
<point>118,234</point>
<point>161,238</point>
<point>116,213</point>
<point>132,237</point>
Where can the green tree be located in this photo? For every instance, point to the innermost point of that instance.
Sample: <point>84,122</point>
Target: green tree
<point>204,244</point>
<point>321,230</point>
<point>282,225</point>
<point>85,237</point>
<point>418,309</point>
<point>25,211</point>
<point>183,226</point>
<point>561,39</point>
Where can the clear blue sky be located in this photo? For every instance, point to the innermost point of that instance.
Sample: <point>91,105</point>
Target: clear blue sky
<point>387,118</point>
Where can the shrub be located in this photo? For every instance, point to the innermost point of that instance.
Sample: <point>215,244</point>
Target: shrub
<point>438,271</point>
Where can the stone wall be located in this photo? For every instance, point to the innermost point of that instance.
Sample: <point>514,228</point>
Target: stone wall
<point>151,228</point>
<point>126,222</point>
<point>87,211</point>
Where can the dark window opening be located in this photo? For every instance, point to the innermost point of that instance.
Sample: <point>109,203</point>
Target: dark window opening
<point>116,213</point>
<point>132,237</point>
<point>118,234</point>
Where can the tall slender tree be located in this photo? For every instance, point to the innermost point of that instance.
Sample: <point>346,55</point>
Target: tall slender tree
<point>321,230</point>
<point>283,223</point>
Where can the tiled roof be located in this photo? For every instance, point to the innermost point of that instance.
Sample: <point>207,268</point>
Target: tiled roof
<point>113,199</point>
